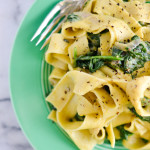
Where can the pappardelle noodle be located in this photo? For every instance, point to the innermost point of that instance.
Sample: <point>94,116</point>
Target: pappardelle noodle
<point>101,74</point>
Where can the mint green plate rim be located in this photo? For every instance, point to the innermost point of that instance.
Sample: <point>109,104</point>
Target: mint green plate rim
<point>26,88</point>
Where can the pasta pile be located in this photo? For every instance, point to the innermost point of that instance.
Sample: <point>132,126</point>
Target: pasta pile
<point>101,74</point>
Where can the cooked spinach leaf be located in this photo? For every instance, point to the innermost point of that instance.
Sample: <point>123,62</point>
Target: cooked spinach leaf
<point>65,40</point>
<point>145,101</point>
<point>85,57</point>
<point>135,37</point>
<point>133,59</point>
<point>147,2</point>
<point>94,41</point>
<point>79,118</point>
<point>123,133</point>
<point>75,57</point>
<point>136,55</point>
<point>137,115</point>
<point>107,141</point>
<point>93,63</point>
<point>147,46</point>
<point>126,0</point>
<point>53,107</point>
<point>104,31</point>
<point>72,17</point>
<point>117,52</point>
<point>134,76</point>
<point>144,140</point>
<point>106,87</point>
<point>143,23</point>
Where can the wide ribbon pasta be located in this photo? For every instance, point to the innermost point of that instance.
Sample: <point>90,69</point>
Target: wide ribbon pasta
<point>93,106</point>
<point>84,94</point>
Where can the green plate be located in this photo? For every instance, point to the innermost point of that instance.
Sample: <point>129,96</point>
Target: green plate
<point>27,70</point>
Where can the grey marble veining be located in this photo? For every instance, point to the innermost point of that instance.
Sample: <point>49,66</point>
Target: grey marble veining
<point>11,136</point>
<point>11,14</point>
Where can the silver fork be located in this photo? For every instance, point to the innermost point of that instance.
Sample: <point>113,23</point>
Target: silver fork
<point>64,8</point>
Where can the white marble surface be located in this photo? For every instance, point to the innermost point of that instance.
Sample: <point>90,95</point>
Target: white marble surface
<point>11,14</point>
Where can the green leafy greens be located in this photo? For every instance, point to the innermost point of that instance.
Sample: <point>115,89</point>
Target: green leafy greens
<point>136,55</point>
<point>123,133</point>
<point>93,62</point>
<point>133,59</point>
<point>72,17</point>
<point>53,107</point>
<point>77,117</point>
<point>145,101</point>
<point>65,40</point>
<point>75,57</point>
<point>144,140</point>
<point>144,23</point>
<point>94,41</point>
<point>137,115</point>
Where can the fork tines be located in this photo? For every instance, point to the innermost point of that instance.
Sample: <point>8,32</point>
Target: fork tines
<point>64,8</point>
